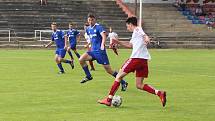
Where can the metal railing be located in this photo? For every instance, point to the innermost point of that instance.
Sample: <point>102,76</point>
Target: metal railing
<point>9,36</point>
<point>40,34</point>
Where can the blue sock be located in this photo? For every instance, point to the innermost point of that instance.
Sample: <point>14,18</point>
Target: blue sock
<point>77,55</point>
<point>86,70</point>
<point>114,75</point>
<point>70,54</point>
<point>60,67</point>
<point>67,61</point>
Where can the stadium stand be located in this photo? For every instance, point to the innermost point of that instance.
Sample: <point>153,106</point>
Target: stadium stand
<point>23,17</point>
<point>163,22</point>
<point>208,13</point>
<point>172,29</point>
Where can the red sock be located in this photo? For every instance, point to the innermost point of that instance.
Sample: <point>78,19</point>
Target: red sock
<point>114,88</point>
<point>149,88</point>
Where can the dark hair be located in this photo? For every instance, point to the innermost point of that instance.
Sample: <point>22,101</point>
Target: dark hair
<point>54,23</point>
<point>132,20</point>
<point>90,15</point>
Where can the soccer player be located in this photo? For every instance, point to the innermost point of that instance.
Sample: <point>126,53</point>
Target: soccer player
<point>112,35</point>
<point>73,36</point>
<point>88,45</point>
<point>58,38</point>
<point>138,62</point>
<point>98,52</point>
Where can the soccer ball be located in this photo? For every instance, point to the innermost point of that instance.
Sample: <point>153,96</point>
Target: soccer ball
<point>116,101</point>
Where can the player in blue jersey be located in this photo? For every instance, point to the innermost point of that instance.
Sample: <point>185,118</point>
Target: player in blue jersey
<point>98,52</point>
<point>73,36</point>
<point>58,38</point>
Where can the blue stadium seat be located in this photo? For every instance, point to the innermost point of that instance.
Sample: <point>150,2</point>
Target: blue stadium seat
<point>195,21</point>
<point>190,17</point>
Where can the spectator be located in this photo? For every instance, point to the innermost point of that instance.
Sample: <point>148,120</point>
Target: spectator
<point>210,21</point>
<point>176,3</point>
<point>43,2</point>
<point>199,11</point>
<point>182,5</point>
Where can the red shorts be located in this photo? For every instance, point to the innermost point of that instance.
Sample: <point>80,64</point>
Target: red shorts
<point>136,64</point>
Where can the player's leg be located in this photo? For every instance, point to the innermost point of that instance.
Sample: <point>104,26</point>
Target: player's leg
<point>92,66</point>
<point>91,62</point>
<point>70,53</point>
<point>76,53</point>
<point>148,88</point>
<point>59,64</point>
<point>109,70</point>
<point>62,54</point>
<point>85,57</point>
<point>141,68</point>
<point>114,88</point>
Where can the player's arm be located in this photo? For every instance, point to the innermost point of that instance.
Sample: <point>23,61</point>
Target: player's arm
<point>146,39</point>
<point>126,44</point>
<point>66,39</point>
<point>49,44</point>
<point>104,37</point>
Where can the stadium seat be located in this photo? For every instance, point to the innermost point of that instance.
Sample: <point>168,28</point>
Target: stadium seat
<point>201,17</point>
<point>190,17</point>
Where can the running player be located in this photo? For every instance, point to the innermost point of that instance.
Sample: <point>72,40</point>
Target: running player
<point>58,39</point>
<point>112,35</point>
<point>73,36</point>
<point>98,52</point>
<point>138,62</point>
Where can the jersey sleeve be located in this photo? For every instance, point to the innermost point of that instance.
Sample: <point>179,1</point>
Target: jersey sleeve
<point>101,29</point>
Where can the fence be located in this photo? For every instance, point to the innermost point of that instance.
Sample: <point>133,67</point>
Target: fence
<point>9,36</point>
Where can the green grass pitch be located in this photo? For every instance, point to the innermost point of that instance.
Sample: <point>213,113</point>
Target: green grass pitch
<point>31,89</point>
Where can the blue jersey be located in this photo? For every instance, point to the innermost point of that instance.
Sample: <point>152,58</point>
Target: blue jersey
<point>94,33</point>
<point>72,35</point>
<point>58,38</point>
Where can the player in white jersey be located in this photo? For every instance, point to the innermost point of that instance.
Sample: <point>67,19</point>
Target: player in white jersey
<point>138,62</point>
<point>113,35</point>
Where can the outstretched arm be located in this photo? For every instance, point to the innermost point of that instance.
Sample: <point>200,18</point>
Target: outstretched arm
<point>49,44</point>
<point>126,44</point>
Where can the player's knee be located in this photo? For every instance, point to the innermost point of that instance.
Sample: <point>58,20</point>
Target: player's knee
<point>81,61</point>
<point>118,78</point>
<point>60,59</point>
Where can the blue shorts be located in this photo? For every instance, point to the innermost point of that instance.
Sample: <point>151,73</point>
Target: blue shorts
<point>73,46</point>
<point>60,52</point>
<point>100,56</point>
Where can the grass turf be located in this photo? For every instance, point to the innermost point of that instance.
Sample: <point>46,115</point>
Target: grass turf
<point>31,89</point>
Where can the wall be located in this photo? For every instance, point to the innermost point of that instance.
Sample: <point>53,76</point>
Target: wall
<point>150,1</point>
<point>161,1</point>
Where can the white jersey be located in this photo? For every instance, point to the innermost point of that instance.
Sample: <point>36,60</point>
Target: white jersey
<point>139,48</point>
<point>112,36</point>
<point>87,37</point>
